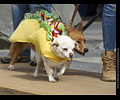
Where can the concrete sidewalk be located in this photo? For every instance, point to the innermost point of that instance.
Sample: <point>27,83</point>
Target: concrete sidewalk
<point>74,82</point>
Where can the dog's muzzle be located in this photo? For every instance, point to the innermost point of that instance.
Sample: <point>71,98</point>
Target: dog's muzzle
<point>81,53</point>
<point>86,50</point>
<point>71,55</point>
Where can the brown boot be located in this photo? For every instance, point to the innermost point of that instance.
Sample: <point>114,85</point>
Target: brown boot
<point>109,67</point>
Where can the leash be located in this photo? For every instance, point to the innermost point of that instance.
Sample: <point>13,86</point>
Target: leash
<point>71,22</point>
<point>75,11</point>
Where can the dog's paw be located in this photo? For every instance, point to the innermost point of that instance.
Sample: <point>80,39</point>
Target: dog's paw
<point>55,76</point>
<point>58,74</point>
<point>52,80</point>
<point>11,67</point>
<point>36,75</point>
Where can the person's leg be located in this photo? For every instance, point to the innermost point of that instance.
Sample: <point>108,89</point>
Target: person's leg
<point>38,7</point>
<point>109,39</point>
<point>18,11</point>
<point>83,10</point>
<point>109,26</point>
<point>16,16</point>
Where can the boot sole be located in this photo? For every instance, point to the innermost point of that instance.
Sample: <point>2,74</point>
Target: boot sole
<point>110,79</point>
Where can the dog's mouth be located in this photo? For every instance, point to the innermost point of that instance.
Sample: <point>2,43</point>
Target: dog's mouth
<point>81,53</point>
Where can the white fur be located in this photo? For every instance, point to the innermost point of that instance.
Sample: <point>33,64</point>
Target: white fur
<point>64,42</point>
<point>50,66</point>
<point>11,67</point>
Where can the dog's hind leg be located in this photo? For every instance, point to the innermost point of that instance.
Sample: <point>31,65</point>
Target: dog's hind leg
<point>38,61</point>
<point>36,72</point>
<point>15,49</point>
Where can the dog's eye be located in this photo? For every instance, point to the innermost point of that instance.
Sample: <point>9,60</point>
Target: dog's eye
<point>65,49</point>
<point>78,42</point>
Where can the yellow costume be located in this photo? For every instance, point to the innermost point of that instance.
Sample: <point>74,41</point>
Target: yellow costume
<point>29,31</point>
<point>24,30</point>
<point>39,39</point>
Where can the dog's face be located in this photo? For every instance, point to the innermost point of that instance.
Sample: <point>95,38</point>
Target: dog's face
<point>77,35</point>
<point>63,47</point>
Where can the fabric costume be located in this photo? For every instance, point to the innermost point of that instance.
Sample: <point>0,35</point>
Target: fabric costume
<point>38,30</point>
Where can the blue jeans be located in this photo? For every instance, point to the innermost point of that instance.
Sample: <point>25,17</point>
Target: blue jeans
<point>109,26</point>
<point>82,9</point>
<point>18,11</point>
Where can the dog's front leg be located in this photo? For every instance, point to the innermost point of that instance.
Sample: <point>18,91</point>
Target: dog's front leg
<point>64,67</point>
<point>55,73</point>
<point>49,72</point>
<point>62,70</point>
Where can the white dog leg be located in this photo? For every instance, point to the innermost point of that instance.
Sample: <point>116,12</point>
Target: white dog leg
<point>36,73</point>
<point>55,72</point>
<point>62,71</point>
<point>64,67</point>
<point>49,73</point>
<point>11,67</point>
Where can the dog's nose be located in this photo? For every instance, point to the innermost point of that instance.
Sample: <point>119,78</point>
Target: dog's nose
<point>71,55</point>
<point>86,50</point>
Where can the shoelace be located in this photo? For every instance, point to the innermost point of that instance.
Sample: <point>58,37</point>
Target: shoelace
<point>100,63</point>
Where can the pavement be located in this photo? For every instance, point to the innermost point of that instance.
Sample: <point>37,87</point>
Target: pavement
<point>73,82</point>
<point>82,77</point>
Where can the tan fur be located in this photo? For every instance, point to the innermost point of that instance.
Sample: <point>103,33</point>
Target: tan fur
<point>77,35</point>
<point>16,48</point>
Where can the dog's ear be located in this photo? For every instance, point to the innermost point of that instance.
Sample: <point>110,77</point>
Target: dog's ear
<point>80,27</point>
<point>55,44</point>
<point>67,27</point>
